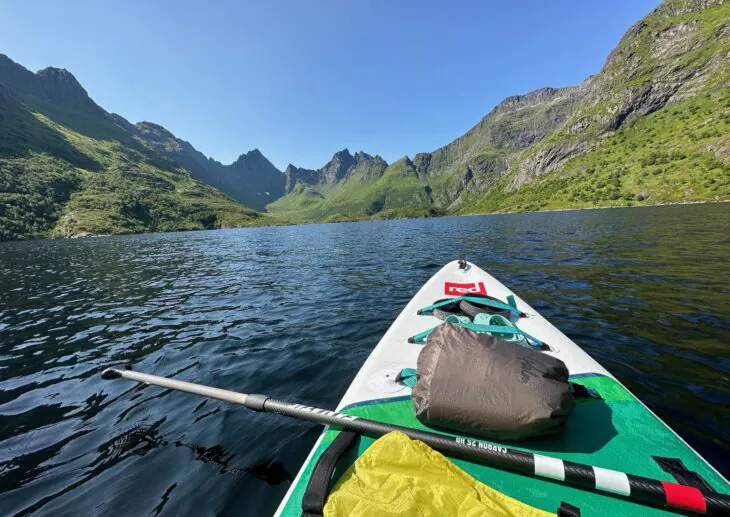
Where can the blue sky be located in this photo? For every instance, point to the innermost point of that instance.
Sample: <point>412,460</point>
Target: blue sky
<point>302,79</point>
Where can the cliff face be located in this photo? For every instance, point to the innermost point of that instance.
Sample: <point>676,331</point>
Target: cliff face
<point>342,166</point>
<point>668,56</point>
<point>294,175</point>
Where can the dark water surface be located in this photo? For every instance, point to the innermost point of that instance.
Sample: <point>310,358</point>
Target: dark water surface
<point>293,312</point>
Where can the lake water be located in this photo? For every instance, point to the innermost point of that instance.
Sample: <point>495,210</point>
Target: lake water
<point>293,312</point>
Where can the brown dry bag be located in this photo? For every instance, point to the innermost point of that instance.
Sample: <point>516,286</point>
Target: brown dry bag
<point>482,385</point>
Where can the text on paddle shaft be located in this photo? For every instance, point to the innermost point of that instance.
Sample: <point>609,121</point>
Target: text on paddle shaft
<point>319,411</point>
<point>481,445</point>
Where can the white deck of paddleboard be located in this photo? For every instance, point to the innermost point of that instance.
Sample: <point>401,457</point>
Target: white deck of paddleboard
<point>376,378</point>
<point>394,353</point>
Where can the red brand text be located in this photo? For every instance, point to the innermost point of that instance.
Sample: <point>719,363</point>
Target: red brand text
<point>455,289</point>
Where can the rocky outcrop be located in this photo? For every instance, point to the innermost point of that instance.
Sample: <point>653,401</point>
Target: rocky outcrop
<point>61,87</point>
<point>547,159</point>
<point>337,167</point>
<point>658,61</point>
<point>294,175</point>
<point>342,167</point>
<point>366,168</point>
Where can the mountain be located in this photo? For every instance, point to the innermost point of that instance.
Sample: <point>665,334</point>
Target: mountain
<point>342,166</point>
<point>294,175</point>
<point>251,179</point>
<point>352,186</point>
<point>69,168</point>
<point>652,126</point>
<point>431,183</point>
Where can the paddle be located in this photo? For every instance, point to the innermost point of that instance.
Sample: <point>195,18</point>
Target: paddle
<point>635,488</point>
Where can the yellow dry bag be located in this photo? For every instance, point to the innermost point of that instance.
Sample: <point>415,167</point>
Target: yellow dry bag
<point>401,477</point>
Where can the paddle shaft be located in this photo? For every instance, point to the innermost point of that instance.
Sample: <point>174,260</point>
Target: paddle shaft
<point>635,488</point>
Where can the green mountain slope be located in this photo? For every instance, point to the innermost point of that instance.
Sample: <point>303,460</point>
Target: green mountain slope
<point>354,187</point>
<point>431,183</point>
<point>68,168</point>
<point>654,125</point>
<point>651,127</point>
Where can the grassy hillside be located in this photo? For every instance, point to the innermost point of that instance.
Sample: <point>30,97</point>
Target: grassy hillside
<point>650,127</point>
<point>679,153</point>
<point>397,193</point>
<point>68,168</point>
<point>654,127</point>
<point>433,183</point>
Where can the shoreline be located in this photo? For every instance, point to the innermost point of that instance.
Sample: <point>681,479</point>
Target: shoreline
<point>668,203</point>
<point>287,223</point>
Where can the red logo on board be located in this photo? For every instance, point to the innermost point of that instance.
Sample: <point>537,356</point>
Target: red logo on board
<point>456,289</point>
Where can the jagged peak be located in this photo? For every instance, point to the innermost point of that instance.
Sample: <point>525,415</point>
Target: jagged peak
<point>254,157</point>
<point>55,71</point>
<point>60,76</point>
<point>681,7</point>
<point>517,102</point>
<point>150,125</point>
<point>343,152</point>
<point>5,60</point>
<point>58,84</point>
<point>256,160</point>
<point>362,155</point>
<point>154,131</point>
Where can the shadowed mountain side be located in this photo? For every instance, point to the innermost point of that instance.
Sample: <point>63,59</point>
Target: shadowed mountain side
<point>68,168</point>
<point>251,179</point>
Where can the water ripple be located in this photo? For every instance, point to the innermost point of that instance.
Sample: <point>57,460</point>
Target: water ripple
<point>293,312</point>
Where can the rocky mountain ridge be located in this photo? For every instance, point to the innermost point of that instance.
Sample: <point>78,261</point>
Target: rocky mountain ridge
<point>252,179</point>
<point>652,126</point>
<point>436,180</point>
<point>70,168</point>
<point>342,166</point>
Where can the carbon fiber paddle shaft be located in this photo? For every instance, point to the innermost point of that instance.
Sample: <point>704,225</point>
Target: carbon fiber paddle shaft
<point>635,488</point>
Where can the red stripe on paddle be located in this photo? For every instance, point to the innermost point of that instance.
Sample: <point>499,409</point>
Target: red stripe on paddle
<point>686,497</point>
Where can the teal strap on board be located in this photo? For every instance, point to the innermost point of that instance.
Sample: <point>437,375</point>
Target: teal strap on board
<point>474,299</point>
<point>459,320</point>
<point>407,377</point>
<point>481,329</point>
<point>496,319</point>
